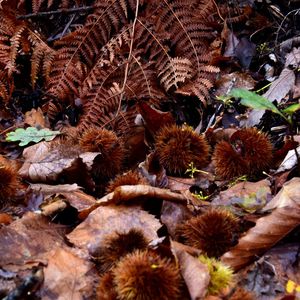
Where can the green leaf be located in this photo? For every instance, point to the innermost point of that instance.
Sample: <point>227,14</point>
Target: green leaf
<point>31,134</point>
<point>253,100</point>
<point>291,109</point>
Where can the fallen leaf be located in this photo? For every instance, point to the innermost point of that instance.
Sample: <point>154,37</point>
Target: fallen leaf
<point>28,240</point>
<point>289,161</point>
<point>250,196</point>
<point>194,273</point>
<point>268,230</point>
<point>67,276</point>
<point>125,193</point>
<point>35,118</point>
<point>107,220</point>
<point>173,214</point>
<point>289,195</point>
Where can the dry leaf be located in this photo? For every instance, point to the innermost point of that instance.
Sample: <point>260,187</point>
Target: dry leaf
<point>289,161</point>
<point>41,164</point>
<point>67,276</point>
<point>172,214</point>
<point>234,80</point>
<point>28,239</point>
<point>251,196</point>
<point>106,220</point>
<point>45,163</point>
<point>35,118</point>
<point>281,86</point>
<point>289,195</point>
<point>130,192</point>
<point>194,273</point>
<point>266,233</point>
<point>49,190</point>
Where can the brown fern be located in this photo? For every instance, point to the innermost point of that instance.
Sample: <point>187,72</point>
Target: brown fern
<point>78,51</point>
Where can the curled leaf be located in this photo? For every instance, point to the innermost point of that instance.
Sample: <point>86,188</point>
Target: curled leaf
<point>267,231</point>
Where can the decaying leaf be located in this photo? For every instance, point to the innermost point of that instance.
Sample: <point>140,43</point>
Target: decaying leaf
<point>110,219</point>
<point>43,162</point>
<point>35,118</point>
<point>289,161</point>
<point>130,192</point>
<point>288,196</point>
<point>250,196</point>
<point>31,134</point>
<point>268,230</point>
<point>67,276</point>
<point>194,273</point>
<point>28,239</point>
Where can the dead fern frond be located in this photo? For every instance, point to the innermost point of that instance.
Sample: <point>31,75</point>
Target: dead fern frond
<point>79,50</point>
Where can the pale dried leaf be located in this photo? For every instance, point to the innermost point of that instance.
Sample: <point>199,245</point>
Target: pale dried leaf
<point>293,58</point>
<point>194,273</point>
<point>289,195</point>
<point>49,190</point>
<point>289,161</point>
<point>110,219</point>
<point>52,208</point>
<point>281,86</point>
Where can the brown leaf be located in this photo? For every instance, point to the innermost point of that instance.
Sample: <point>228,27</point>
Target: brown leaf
<point>267,231</point>
<point>251,196</point>
<point>67,276</point>
<point>35,118</point>
<point>287,196</point>
<point>49,190</point>
<point>172,214</point>
<point>106,220</point>
<point>130,192</point>
<point>154,118</point>
<point>234,80</point>
<point>28,239</point>
<point>43,162</point>
<point>194,273</point>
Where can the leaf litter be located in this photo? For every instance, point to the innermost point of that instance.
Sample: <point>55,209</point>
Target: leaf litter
<point>62,214</point>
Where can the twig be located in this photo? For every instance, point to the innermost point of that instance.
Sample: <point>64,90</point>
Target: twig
<point>55,12</point>
<point>129,57</point>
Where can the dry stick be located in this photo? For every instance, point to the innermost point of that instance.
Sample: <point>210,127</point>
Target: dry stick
<point>130,192</point>
<point>56,12</point>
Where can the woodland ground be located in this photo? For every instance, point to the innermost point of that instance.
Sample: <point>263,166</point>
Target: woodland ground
<point>149,149</point>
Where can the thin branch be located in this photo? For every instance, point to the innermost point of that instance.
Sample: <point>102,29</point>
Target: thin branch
<point>56,12</point>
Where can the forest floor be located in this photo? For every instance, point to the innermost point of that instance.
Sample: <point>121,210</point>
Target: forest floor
<point>149,149</point>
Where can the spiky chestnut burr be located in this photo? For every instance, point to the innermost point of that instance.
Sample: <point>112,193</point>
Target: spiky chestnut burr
<point>109,162</point>
<point>106,289</point>
<point>249,152</point>
<point>129,178</point>
<point>213,231</point>
<point>118,245</point>
<point>9,182</point>
<point>178,146</point>
<point>221,276</point>
<point>143,275</point>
